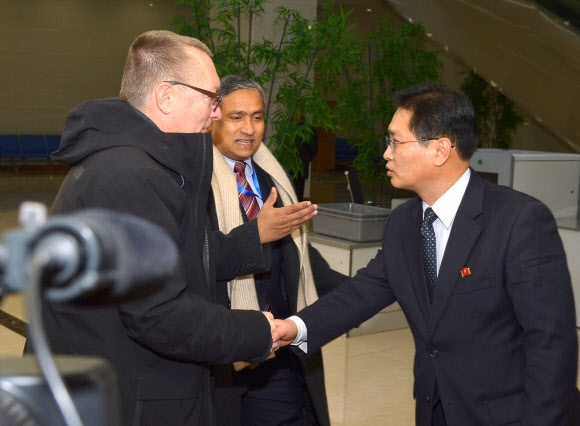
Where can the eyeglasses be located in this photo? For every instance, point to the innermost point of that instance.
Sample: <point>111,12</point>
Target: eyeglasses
<point>393,142</point>
<point>216,99</point>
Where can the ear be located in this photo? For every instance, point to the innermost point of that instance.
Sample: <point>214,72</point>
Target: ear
<point>165,98</point>
<point>444,149</point>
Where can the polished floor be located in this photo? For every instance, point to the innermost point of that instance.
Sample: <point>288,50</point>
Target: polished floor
<point>369,377</point>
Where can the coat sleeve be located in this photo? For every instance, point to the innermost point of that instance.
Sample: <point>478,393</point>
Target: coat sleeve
<point>175,321</point>
<point>240,252</point>
<point>541,293</point>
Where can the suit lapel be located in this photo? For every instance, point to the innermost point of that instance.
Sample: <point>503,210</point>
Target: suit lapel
<point>464,234</point>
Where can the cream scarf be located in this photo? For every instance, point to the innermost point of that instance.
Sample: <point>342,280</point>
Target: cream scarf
<point>242,290</point>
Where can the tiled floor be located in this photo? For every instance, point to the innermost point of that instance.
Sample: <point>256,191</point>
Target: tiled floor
<point>369,377</point>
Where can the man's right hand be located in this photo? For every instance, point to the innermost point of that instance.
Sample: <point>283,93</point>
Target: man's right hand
<point>285,332</point>
<point>275,223</point>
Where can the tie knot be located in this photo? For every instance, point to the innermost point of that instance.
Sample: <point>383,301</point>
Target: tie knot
<point>430,216</point>
<point>240,167</point>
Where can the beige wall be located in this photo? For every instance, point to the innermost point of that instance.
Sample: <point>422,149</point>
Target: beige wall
<point>58,53</point>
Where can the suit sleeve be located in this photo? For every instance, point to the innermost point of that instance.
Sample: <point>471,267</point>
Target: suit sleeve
<point>541,292</point>
<point>347,306</point>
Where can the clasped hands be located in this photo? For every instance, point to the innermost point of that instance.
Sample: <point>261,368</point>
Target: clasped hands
<point>283,331</point>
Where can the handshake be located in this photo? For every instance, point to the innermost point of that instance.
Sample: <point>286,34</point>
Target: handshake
<point>283,331</point>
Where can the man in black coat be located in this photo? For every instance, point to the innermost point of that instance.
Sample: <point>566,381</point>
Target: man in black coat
<point>148,154</point>
<point>282,390</point>
<point>495,331</point>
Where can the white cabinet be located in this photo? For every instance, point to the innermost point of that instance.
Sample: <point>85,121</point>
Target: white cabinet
<point>347,257</point>
<point>571,241</point>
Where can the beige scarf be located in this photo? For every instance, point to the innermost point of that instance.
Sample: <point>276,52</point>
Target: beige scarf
<point>242,290</point>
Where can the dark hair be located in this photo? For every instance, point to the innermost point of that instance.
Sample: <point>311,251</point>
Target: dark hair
<point>438,111</point>
<point>231,83</point>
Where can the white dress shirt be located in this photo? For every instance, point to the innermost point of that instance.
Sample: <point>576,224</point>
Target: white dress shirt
<point>249,176</point>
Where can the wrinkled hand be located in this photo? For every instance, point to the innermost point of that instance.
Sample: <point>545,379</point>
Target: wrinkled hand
<point>275,223</point>
<point>285,332</point>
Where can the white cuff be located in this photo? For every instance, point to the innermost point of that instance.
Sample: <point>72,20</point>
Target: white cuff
<point>302,336</point>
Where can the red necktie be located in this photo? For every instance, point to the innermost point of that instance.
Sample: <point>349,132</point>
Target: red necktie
<point>247,196</point>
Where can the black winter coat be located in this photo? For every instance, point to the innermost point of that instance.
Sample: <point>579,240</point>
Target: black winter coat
<point>161,345</point>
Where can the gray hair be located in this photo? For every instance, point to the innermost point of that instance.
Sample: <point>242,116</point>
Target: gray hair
<point>153,56</point>
<point>231,83</point>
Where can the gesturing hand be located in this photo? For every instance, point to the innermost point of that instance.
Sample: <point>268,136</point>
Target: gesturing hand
<point>277,222</point>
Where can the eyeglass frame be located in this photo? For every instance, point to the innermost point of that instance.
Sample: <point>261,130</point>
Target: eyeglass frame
<point>215,98</point>
<point>392,142</point>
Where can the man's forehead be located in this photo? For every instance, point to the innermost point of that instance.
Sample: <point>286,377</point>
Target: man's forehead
<point>400,121</point>
<point>245,111</point>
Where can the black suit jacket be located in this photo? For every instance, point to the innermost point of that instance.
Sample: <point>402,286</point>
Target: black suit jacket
<point>326,279</point>
<point>500,337</point>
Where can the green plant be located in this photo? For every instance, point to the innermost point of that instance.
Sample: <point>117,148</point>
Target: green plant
<point>395,58</point>
<point>285,68</point>
<point>311,63</point>
<point>496,116</point>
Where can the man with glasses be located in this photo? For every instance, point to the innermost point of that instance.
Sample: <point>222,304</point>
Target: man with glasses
<point>148,153</point>
<point>480,273</point>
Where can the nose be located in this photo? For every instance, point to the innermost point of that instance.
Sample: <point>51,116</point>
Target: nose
<point>248,126</point>
<point>388,154</point>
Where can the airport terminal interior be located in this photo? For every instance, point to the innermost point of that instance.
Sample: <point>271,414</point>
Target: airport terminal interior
<point>369,379</point>
<point>369,371</point>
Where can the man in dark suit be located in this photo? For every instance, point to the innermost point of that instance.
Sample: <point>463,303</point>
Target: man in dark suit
<point>495,333</point>
<point>283,390</point>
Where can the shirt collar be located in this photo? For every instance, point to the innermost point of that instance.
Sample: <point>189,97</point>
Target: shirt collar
<point>447,205</point>
<point>248,161</point>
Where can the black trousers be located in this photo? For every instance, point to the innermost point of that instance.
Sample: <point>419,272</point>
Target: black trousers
<point>275,394</point>
<point>438,418</point>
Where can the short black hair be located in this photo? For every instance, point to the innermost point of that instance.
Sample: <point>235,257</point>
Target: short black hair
<point>439,111</point>
<point>231,83</point>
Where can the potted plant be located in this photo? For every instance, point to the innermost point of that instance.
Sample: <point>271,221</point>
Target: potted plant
<point>496,116</point>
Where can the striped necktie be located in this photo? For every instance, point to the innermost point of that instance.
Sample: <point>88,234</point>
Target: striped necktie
<point>247,196</point>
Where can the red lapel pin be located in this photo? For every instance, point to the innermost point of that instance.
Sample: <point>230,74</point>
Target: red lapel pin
<point>465,272</point>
